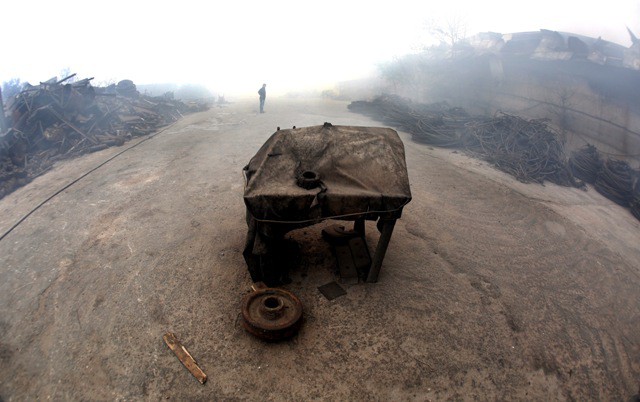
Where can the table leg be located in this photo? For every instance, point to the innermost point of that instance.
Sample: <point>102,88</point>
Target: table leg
<point>358,226</point>
<point>381,249</point>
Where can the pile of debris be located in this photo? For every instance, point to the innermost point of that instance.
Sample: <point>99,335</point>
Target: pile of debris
<point>635,201</point>
<point>612,178</point>
<point>615,181</point>
<point>435,124</point>
<point>57,120</point>
<point>529,150</point>
<point>586,163</point>
<point>526,149</point>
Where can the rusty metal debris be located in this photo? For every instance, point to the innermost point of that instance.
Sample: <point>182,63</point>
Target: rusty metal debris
<point>271,314</point>
<point>59,119</point>
<point>185,357</point>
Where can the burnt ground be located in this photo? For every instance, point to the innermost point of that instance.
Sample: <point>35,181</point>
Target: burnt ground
<point>491,289</point>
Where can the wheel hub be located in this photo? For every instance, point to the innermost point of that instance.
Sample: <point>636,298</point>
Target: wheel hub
<point>272,314</point>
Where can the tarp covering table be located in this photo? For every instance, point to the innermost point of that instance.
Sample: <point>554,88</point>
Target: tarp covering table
<point>362,174</point>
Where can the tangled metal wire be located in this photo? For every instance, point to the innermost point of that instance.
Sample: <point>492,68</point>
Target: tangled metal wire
<point>527,149</point>
<point>435,124</point>
<point>615,181</point>
<point>586,163</point>
<point>635,201</point>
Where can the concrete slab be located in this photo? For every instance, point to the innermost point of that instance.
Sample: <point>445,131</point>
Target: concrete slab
<point>490,289</point>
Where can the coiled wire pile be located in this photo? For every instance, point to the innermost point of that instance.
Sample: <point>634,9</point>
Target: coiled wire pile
<point>586,163</point>
<point>529,150</point>
<point>635,200</point>
<point>435,124</point>
<point>615,181</point>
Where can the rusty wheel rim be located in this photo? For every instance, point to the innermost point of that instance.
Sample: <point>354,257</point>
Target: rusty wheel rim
<point>272,314</point>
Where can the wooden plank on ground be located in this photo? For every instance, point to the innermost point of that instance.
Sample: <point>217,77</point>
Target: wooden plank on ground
<point>185,357</point>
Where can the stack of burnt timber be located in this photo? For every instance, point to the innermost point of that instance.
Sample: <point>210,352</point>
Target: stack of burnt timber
<point>58,120</point>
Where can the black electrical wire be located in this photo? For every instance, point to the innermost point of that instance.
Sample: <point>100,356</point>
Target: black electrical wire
<point>5,234</point>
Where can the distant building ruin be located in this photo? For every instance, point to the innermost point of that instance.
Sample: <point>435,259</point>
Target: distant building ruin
<point>588,87</point>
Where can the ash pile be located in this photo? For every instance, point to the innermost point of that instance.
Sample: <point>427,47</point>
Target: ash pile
<point>60,119</point>
<point>529,150</point>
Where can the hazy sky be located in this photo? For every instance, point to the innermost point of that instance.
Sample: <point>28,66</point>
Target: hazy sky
<point>235,46</point>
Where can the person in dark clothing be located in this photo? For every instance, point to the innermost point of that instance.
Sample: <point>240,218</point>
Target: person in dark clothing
<point>263,95</point>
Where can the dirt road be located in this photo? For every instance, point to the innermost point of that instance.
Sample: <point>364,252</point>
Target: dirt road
<point>491,289</point>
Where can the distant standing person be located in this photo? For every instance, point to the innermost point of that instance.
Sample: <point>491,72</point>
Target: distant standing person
<point>263,95</point>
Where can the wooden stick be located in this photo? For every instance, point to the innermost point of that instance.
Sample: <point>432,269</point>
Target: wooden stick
<point>74,128</point>
<point>74,147</point>
<point>64,79</point>
<point>185,357</point>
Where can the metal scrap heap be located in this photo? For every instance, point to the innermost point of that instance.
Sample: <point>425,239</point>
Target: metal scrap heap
<point>58,120</point>
<point>527,149</point>
<point>530,150</point>
<point>613,178</point>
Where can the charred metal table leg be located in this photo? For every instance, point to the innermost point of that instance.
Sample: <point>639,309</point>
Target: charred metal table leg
<point>358,226</point>
<point>381,249</point>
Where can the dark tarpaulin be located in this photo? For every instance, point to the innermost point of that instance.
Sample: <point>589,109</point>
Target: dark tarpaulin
<point>362,172</point>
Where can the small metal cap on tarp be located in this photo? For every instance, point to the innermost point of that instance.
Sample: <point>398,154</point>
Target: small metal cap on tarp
<point>308,179</point>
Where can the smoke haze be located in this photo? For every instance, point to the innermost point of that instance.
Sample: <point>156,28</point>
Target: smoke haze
<point>233,47</point>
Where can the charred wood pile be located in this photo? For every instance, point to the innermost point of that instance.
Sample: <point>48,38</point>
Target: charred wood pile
<point>529,150</point>
<point>58,120</point>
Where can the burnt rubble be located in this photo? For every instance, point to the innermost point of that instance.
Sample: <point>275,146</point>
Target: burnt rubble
<point>59,119</point>
<point>529,150</point>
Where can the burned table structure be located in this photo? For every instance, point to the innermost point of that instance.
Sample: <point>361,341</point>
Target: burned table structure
<point>303,176</point>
